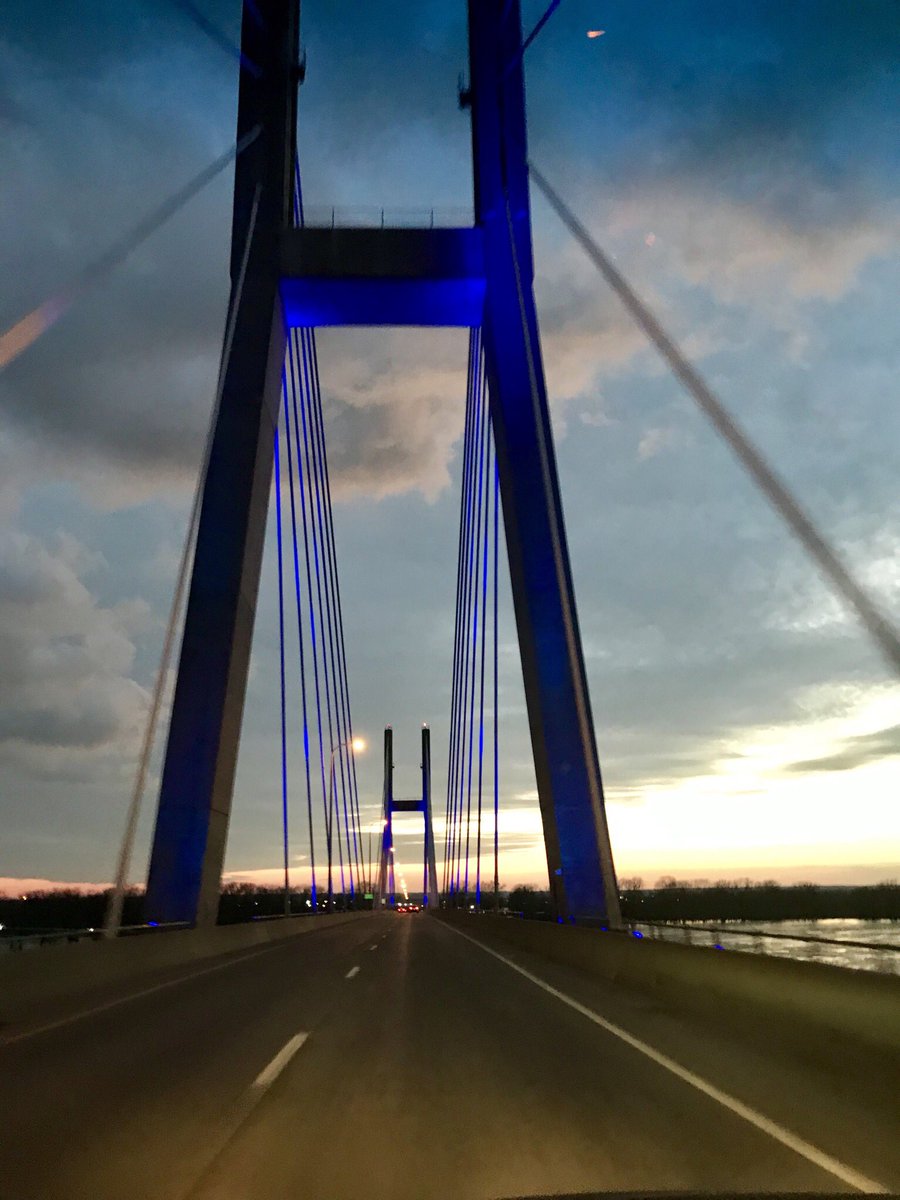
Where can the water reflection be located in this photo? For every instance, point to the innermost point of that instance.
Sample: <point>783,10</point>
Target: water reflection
<point>881,951</point>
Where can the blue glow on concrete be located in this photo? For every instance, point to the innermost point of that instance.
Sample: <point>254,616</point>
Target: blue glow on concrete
<point>316,302</point>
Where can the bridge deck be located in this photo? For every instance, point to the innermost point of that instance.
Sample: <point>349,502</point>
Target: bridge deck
<point>432,1070</point>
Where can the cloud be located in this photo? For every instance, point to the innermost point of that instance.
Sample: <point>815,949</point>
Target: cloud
<point>117,395</point>
<point>864,748</point>
<point>394,409</point>
<point>741,252</point>
<point>11,885</point>
<point>68,695</point>
<point>654,442</point>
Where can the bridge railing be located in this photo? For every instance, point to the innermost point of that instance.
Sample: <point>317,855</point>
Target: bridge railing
<point>32,939</point>
<point>372,217</point>
<point>13,941</point>
<point>883,957</point>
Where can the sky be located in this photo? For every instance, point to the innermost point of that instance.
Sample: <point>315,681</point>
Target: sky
<point>741,163</point>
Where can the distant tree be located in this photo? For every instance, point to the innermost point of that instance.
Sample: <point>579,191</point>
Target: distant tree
<point>487,896</point>
<point>71,909</point>
<point>528,900</point>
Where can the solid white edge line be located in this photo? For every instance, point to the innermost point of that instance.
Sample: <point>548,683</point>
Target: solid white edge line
<point>818,1157</point>
<point>353,971</point>
<point>270,1073</point>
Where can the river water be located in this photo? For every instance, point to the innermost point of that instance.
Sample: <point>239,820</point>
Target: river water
<point>881,953</point>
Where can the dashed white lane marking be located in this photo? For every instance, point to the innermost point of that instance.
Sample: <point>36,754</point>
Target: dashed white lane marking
<point>811,1153</point>
<point>269,1074</point>
<point>374,947</point>
<point>353,971</point>
<point>240,1113</point>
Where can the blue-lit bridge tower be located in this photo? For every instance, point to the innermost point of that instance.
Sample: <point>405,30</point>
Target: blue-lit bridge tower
<point>284,276</point>
<point>385,891</point>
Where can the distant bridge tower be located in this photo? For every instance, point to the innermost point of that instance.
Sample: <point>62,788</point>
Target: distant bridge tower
<point>284,276</point>
<point>386,887</point>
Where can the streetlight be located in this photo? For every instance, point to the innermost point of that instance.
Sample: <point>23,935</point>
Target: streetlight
<point>357,745</point>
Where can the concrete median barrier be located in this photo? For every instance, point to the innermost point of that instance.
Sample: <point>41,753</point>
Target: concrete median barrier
<point>34,981</point>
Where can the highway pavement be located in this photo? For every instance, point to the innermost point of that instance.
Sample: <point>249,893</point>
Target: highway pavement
<point>393,1057</point>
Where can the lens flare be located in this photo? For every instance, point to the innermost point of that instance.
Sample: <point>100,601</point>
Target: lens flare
<point>26,332</point>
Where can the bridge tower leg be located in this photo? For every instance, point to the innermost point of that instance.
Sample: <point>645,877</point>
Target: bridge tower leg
<point>201,754</point>
<point>386,858</point>
<point>570,790</point>
<point>429,879</point>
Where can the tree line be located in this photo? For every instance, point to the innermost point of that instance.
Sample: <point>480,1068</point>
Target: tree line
<point>741,900</point>
<point>669,900</point>
<point>59,909</point>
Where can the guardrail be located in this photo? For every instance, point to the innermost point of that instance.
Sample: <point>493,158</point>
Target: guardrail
<point>803,1007</point>
<point>762,933</point>
<point>27,941</point>
<point>370,217</point>
<point>33,985</point>
<point>881,957</point>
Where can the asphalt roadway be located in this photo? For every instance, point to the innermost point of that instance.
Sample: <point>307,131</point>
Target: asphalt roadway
<point>392,1057</point>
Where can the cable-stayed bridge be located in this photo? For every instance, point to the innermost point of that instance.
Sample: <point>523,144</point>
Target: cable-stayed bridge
<point>353,1051</point>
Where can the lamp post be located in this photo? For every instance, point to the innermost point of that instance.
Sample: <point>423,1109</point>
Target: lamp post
<point>357,745</point>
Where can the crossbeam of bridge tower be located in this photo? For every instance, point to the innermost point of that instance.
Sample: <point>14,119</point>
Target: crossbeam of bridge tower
<point>567,767</point>
<point>198,774</point>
